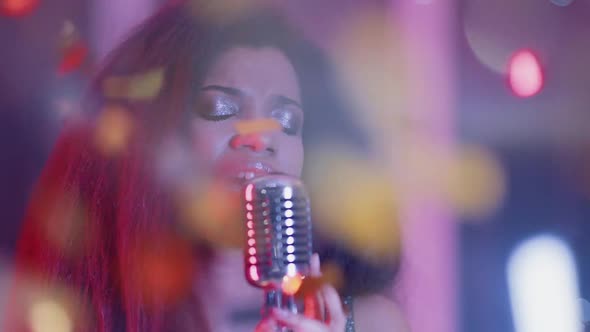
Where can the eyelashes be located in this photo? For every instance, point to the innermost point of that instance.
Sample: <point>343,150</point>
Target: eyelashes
<point>222,108</point>
<point>218,109</point>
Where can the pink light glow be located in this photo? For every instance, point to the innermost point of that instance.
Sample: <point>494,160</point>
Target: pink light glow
<point>524,74</point>
<point>249,189</point>
<point>17,7</point>
<point>252,260</point>
<point>254,273</point>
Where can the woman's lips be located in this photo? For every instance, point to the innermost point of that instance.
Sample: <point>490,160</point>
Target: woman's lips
<point>250,173</point>
<point>243,171</point>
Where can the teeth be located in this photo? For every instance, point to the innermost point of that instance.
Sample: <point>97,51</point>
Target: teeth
<point>246,175</point>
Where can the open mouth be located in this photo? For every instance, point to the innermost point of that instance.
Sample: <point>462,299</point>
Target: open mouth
<point>239,173</point>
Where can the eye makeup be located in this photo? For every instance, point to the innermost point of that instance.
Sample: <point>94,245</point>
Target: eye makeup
<point>289,119</point>
<point>223,102</point>
<point>288,112</point>
<point>217,108</point>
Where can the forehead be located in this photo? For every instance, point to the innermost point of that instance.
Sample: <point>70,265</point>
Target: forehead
<point>264,69</point>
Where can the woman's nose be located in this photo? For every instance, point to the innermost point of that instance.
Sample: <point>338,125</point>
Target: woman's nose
<point>257,142</point>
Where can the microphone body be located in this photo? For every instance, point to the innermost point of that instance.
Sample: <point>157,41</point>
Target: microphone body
<point>279,238</point>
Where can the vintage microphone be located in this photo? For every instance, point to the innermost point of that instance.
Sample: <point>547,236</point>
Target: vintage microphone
<point>278,239</point>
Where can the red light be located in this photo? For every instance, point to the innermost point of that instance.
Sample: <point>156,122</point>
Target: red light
<point>250,224</point>
<point>524,74</point>
<point>254,273</point>
<point>252,251</point>
<point>251,242</point>
<point>249,215</point>
<point>73,58</point>
<point>249,189</point>
<point>17,7</point>
<point>252,260</point>
<point>249,207</point>
<point>251,233</point>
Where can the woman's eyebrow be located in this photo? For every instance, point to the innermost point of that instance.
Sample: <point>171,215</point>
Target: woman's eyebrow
<point>282,100</point>
<point>225,89</point>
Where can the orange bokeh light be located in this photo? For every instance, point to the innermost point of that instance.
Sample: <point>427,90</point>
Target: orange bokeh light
<point>292,284</point>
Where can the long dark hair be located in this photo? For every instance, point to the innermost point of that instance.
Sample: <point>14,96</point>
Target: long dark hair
<point>125,209</point>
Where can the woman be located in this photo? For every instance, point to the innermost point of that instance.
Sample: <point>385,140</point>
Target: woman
<point>128,259</point>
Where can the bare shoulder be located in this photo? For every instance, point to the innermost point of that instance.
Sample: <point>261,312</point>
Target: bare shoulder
<point>376,313</point>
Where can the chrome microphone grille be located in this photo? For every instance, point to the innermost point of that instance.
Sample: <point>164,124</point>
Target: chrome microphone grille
<point>278,226</point>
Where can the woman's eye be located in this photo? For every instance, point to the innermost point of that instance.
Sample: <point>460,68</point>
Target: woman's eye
<point>217,109</point>
<point>289,120</point>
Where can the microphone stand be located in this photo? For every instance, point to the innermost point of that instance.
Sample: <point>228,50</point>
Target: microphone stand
<point>275,298</point>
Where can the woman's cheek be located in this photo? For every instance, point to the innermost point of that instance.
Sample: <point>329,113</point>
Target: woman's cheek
<point>209,142</point>
<point>292,157</point>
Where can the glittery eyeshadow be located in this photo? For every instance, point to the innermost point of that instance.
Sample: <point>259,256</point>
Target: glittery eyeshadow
<point>217,109</point>
<point>224,107</point>
<point>288,120</point>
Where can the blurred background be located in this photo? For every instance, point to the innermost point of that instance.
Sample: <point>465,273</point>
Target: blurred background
<point>479,107</point>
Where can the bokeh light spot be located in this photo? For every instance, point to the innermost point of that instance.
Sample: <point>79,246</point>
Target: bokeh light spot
<point>17,7</point>
<point>245,127</point>
<point>291,284</point>
<point>468,179</point>
<point>162,268</point>
<point>140,87</point>
<point>354,203</point>
<point>47,315</point>
<point>113,130</point>
<point>64,222</point>
<point>371,67</point>
<point>476,183</point>
<point>543,286</point>
<point>147,85</point>
<point>213,214</point>
<point>331,274</point>
<point>73,58</point>
<point>524,74</point>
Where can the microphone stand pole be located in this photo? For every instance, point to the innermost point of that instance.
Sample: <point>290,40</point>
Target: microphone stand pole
<point>275,298</point>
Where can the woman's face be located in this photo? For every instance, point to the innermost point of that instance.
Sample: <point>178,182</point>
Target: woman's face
<point>244,85</point>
